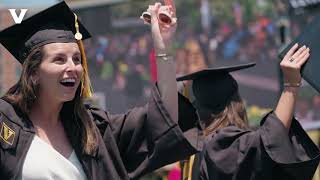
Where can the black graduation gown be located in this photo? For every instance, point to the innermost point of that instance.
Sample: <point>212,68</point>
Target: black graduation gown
<point>129,145</point>
<point>267,153</point>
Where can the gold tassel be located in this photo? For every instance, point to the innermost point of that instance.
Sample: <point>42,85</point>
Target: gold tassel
<point>187,168</point>
<point>185,91</point>
<point>86,88</point>
<point>85,83</point>
<point>191,161</point>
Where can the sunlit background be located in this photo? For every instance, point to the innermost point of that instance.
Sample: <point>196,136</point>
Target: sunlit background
<point>209,31</point>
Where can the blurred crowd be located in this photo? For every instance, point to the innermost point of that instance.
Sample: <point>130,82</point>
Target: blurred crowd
<point>122,63</point>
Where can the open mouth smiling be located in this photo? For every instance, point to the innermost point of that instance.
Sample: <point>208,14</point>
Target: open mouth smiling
<point>69,82</point>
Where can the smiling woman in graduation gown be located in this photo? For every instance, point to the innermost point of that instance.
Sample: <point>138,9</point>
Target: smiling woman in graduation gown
<point>126,146</point>
<point>279,149</point>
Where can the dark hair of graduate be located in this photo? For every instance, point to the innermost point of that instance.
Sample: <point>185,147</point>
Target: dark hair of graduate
<point>234,113</point>
<point>80,129</point>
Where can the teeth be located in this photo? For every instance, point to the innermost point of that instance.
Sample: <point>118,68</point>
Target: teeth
<point>70,80</point>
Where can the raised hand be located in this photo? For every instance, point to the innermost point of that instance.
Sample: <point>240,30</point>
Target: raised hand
<point>292,63</point>
<point>291,66</point>
<point>162,32</point>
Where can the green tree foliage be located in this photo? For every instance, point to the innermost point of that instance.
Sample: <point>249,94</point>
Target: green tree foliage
<point>188,11</point>
<point>223,9</point>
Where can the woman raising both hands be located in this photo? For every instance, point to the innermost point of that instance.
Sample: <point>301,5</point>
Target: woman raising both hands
<point>43,117</point>
<point>278,149</point>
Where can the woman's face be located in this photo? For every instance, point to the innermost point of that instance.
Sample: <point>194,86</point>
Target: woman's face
<point>60,72</point>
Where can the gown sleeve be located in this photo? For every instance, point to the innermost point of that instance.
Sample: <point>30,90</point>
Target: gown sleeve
<point>268,152</point>
<point>147,138</point>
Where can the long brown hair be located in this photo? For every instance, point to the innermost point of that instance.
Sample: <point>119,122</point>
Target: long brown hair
<point>78,125</point>
<point>234,113</point>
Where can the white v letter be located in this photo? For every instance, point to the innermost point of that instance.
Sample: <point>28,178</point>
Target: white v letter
<point>15,17</point>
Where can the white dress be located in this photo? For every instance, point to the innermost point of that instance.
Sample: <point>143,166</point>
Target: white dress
<point>45,163</point>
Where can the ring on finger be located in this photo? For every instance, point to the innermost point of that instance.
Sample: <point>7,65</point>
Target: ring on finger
<point>291,59</point>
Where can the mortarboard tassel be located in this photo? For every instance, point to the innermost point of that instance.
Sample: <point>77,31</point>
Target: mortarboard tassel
<point>86,88</point>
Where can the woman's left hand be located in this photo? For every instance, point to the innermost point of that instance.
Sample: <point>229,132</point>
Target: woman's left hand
<point>292,63</point>
<point>162,33</point>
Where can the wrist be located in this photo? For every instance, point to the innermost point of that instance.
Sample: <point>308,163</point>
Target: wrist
<point>157,51</point>
<point>164,50</point>
<point>164,56</point>
<point>289,84</point>
<point>291,89</point>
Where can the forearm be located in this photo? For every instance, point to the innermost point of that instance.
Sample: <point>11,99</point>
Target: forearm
<point>162,35</point>
<point>286,105</point>
<point>167,84</point>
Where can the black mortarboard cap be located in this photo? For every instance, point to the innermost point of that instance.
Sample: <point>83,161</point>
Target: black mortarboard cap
<point>52,25</point>
<point>309,37</point>
<point>213,87</point>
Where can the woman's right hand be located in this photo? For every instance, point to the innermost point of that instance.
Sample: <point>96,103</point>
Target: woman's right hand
<point>292,63</point>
